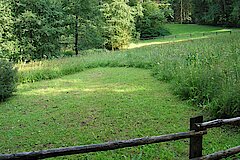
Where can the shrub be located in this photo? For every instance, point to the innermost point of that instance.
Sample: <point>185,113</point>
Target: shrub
<point>151,24</point>
<point>91,36</point>
<point>7,79</point>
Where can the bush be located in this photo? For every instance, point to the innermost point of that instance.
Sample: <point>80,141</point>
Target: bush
<point>7,79</point>
<point>91,36</point>
<point>151,24</point>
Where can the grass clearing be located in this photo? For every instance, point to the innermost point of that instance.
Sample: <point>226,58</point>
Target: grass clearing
<point>176,29</point>
<point>100,105</point>
<point>204,71</point>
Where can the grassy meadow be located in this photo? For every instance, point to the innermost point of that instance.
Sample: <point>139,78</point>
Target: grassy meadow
<point>103,96</point>
<point>189,66</point>
<point>100,105</point>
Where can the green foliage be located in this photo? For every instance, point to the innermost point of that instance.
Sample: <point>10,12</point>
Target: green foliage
<point>38,28</point>
<point>151,23</point>
<point>7,39</point>
<point>84,23</point>
<point>91,36</point>
<point>217,12</point>
<point>119,24</point>
<point>211,12</point>
<point>167,8</point>
<point>7,79</point>
<point>235,14</point>
<point>183,10</point>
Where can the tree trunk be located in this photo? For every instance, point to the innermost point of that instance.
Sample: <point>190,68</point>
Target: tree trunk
<point>76,35</point>
<point>181,14</point>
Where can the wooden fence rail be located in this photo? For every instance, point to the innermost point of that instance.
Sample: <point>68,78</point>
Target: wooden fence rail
<point>218,122</point>
<point>220,154</point>
<point>100,147</point>
<point>197,130</point>
<point>195,149</point>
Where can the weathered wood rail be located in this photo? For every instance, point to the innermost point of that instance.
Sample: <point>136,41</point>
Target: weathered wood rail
<point>197,130</point>
<point>220,154</point>
<point>101,147</point>
<point>218,122</point>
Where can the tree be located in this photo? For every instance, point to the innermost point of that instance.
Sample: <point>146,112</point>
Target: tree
<point>216,12</point>
<point>182,10</point>
<point>235,14</point>
<point>151,23</point>
<point>37,27</point>
<point>79,12</point>
<point>119,24</point>
<point>7,39</point>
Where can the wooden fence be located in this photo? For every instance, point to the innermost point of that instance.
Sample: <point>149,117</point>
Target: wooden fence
<point>197,130</point>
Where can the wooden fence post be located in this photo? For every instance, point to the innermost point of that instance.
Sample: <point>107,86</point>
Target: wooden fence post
<point>195,149</point>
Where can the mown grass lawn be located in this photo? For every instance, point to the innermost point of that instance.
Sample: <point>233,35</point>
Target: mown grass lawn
<point>100,105</point>
<point>176,29</point>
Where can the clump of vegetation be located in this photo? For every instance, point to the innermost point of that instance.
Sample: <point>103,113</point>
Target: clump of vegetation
<point>7,79</point>
<point>207,74</point>
<point>151,23</point>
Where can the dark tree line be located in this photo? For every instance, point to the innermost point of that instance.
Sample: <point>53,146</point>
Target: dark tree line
<point>217,12</point>
<point>211,12</point>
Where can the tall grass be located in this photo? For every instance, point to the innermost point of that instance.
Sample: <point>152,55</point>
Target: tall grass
<point>204,71</point>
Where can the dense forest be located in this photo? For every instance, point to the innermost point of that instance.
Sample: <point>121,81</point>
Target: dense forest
<point>36,29</point>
